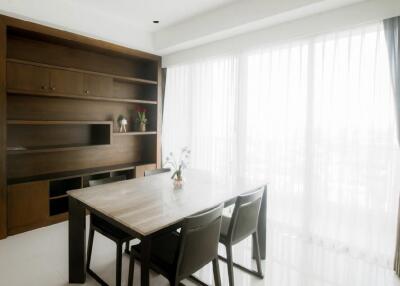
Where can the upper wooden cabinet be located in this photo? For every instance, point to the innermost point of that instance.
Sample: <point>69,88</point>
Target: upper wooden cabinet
<point>97,85</point>
<point>27,77</point>
<point>68,82</point>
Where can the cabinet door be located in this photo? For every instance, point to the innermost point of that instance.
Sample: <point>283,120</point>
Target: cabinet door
<point>27,77</point>
<point>96,85</point>
<point>139,170</point>
<point>28,204</point>
<point>66,82</point>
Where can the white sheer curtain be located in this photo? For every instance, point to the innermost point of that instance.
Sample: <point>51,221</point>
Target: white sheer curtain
<point>315,119</point>
<point>200,104</point>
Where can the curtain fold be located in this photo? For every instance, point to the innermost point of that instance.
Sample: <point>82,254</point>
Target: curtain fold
<point>392,33</point>
<point>315,120</point>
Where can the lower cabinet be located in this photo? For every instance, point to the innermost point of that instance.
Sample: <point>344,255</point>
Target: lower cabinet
<point>28,205</point>
<point>40,203</point>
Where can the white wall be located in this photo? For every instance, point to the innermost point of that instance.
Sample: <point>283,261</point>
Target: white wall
<point>342,18</point>
<point>79,18</point>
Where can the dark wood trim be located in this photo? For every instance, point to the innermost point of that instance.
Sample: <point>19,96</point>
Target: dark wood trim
<point>78,39</point>
<point>3,131</point>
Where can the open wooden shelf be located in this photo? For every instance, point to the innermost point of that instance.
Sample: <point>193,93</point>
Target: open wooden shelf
<point>75,173</point>
<point>115,77</point>
<point>72,96</point>
<point>134,133</point>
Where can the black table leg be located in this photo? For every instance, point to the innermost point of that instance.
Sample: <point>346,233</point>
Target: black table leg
<point>145,263</point>
<point>262,227</point>
<point>77,241</point>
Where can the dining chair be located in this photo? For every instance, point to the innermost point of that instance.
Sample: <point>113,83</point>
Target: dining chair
<point>240,225</point>
<point>188,251</point>
<point>108,230</point>
<point>156,171</point>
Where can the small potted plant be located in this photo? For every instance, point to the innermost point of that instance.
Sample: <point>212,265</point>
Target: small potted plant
<point>141,119</point>
<point>178,165</point>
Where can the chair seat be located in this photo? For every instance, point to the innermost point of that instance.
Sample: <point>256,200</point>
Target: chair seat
<point>163,250</point>
<point>109,230</point>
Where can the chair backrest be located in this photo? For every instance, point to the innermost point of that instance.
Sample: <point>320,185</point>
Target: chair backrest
<point>199,241</point>
<point>156,171</point>
<point>106,180</point>
<point>244,219</point>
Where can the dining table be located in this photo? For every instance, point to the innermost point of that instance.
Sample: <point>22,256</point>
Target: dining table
<point>149,206</point>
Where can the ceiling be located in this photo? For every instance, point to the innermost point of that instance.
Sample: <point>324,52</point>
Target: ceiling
<point>141,13</point>
<point>183,23</point>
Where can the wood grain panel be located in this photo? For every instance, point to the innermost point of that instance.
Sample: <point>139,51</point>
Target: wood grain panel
<point>125,149</point>
<point>3,132</point>
<point>65,82</point>
<point>27,77</point>
<point>55,54</point>
<point>95,85</point>
<point>27,204</point>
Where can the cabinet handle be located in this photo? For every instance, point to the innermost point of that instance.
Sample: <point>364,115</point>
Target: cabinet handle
<point>52,88</point>
<point>87,91</point>
<point>43,87</point>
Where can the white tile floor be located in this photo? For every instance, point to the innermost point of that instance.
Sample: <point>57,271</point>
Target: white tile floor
<point>39,258</point>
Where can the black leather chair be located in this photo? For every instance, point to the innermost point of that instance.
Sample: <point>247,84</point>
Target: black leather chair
<point>108,230</point>
<point>156,171</point>
<point>188,251</point>
<point>241,225</point>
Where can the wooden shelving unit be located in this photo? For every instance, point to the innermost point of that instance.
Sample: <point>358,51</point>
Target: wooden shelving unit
<point>63,96</point>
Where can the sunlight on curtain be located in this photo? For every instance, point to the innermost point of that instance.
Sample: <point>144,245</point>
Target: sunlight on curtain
<point>314,119</point>
<point>199,112</point>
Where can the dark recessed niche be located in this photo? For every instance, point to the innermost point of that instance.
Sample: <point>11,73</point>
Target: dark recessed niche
<point>50,136</point>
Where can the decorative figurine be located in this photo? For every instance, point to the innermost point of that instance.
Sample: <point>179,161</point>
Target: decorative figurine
<point>123,122</point>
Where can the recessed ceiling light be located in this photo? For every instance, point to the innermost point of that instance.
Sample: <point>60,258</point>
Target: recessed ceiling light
<point>156,21</point>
